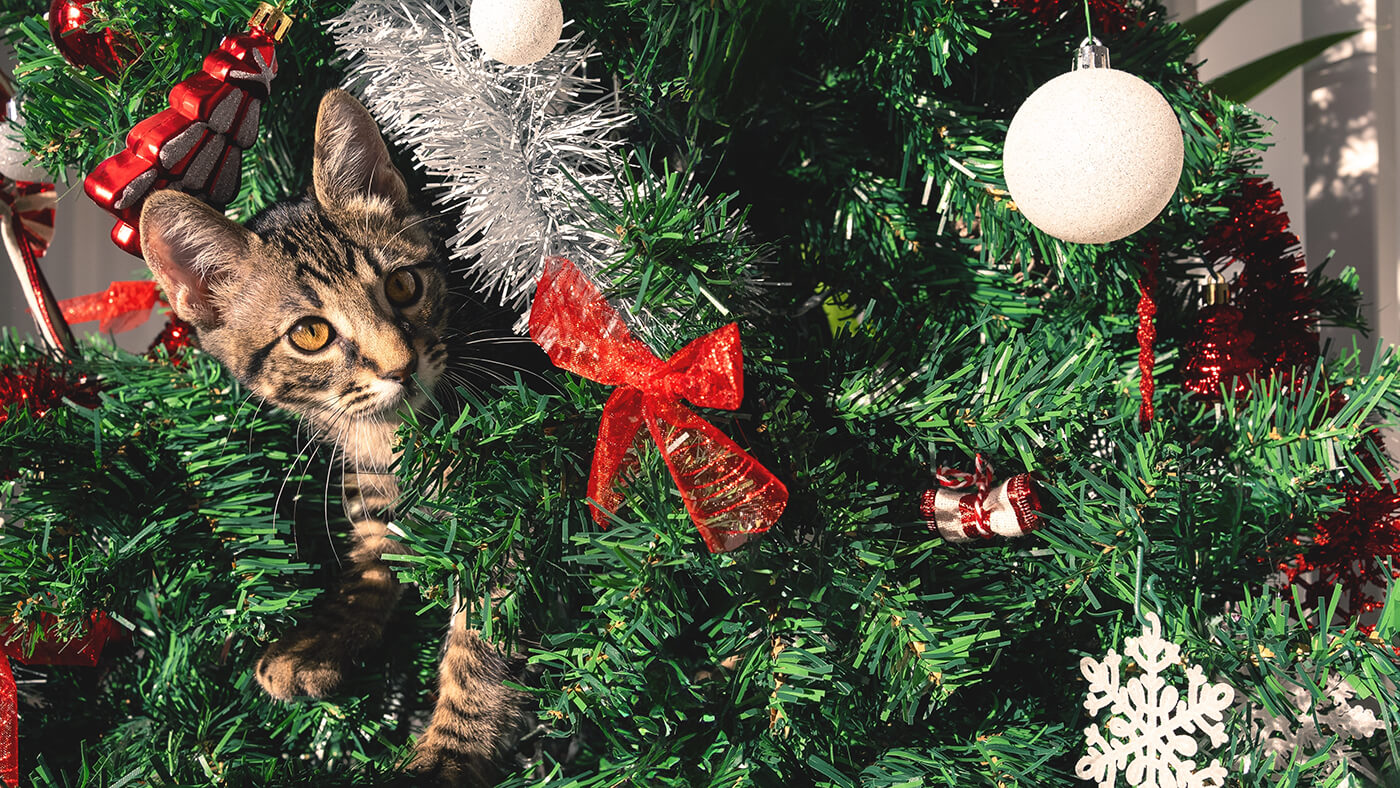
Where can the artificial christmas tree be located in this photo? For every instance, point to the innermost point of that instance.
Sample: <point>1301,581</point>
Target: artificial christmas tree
<point>777,154</point>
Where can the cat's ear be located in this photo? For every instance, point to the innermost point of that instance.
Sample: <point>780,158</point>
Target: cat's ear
<point>190,247</point>
<point>352,170</point>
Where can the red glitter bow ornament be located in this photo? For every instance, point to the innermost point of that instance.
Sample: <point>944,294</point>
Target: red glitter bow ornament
<point>1008,509</point>
<point>20,642</point>
<point>197,144</point>
<point>728,494</point>
<point>26,226</point>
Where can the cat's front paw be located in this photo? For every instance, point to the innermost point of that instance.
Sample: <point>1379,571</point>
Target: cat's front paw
<point>439,769</point>
<point>305,662</point>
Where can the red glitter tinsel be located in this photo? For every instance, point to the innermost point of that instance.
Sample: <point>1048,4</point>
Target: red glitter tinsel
<point>1219,358</point>
<point>1147,334</point>
<point>38,387</point>
<point>1110,16</point>
<point>1273,294</point>
<point>1349,547</point>
<point>175,337</point>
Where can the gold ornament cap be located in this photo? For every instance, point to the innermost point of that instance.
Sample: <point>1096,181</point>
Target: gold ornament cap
<point>271,19</point>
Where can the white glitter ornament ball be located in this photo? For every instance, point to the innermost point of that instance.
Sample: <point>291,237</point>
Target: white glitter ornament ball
<point>1093,155</point>
<point>517,32</point>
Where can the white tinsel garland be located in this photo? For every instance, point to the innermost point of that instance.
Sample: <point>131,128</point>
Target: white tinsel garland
<point>509,146</point>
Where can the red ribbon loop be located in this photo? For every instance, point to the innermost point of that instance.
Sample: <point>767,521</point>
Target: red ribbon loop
<point>728,494</point>
<point>121,307</point>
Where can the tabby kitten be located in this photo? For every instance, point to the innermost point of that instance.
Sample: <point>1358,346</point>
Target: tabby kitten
<point>335,307</point>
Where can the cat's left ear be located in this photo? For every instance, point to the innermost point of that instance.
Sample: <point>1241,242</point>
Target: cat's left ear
<point>352,171</point>
<point>192,250</point>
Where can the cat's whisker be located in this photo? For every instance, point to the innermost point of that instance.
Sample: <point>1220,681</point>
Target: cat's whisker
<point>312,442</point>
<point>478,363</point>
<point>234,421</point>
<point>406,226</point>
<point>503,378</point>
<point>326,501</point>
<point>463,382</point>
<point>493,341</point>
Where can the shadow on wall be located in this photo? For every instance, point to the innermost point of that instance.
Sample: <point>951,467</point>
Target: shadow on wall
<point>1341,164</point>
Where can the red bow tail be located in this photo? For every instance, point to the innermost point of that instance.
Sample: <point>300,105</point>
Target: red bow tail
<point>615,458</point>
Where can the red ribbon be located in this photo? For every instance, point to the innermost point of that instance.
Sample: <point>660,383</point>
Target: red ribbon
<point>20,642</point>
<point>728,494</point>
<point>121,307</point>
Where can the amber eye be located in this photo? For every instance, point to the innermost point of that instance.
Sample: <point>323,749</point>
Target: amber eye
<point>403,286</point>
<point>311,334</point>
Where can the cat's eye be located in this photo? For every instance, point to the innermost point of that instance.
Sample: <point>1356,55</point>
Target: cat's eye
<point>311,334</point>
<point>403,287</point>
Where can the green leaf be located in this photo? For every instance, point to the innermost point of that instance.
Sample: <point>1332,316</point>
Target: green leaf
<point>1389,623</point>
<point>1205,23</point>
<point>1251,79</point>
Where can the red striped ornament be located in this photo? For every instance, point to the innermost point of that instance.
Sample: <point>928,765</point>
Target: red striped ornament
<point>26,226</point>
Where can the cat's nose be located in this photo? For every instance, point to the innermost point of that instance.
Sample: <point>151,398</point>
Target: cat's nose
<point>400,372</point>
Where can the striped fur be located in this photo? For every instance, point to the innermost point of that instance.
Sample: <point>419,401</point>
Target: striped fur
<point>330,256</point>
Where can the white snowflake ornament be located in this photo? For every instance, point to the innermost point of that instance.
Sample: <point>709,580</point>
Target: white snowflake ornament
<point>1313,726</point>
<point>1150,730</point>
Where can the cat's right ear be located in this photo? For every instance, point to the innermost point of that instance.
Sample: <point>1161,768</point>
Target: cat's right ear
<point>190,247</point>
<point>350,169</point>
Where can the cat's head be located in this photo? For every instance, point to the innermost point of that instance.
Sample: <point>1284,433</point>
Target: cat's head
<point>333,306</point>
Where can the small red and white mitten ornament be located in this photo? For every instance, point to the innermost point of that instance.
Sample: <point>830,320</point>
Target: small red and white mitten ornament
<point>966,506</point>
<point>197,145</point>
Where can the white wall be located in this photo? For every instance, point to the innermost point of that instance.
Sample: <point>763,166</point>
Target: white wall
<point>82,258</point>
<point>1335,132</point>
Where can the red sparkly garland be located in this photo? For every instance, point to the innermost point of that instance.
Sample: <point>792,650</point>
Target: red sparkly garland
<point>23,642</point>
<point>1110,16</point>
<point>1218,358</point>
<point>174,338</point>
<point>37,388</point>
<point>1348,548</point>
<point>1278,304</point>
